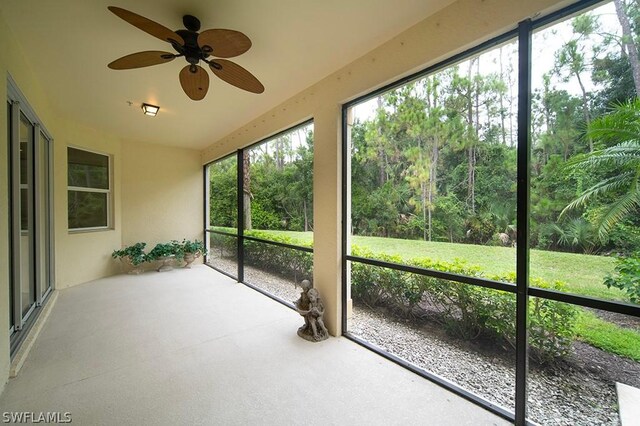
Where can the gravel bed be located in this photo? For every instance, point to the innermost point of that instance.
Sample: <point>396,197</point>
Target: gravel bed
<point>228,265</point>
<point>283,288</point>
<point>557,396</point>
<point>491,378</point>
<point>564,394</point>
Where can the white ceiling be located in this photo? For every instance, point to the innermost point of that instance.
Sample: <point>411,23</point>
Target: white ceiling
<point>295,43</point>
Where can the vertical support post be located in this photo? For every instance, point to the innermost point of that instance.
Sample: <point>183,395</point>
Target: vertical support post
<point>346,144</point>
<point>522,251</point>
<point>327,213</point>
<point>240,239</point>
<point>206,214</point>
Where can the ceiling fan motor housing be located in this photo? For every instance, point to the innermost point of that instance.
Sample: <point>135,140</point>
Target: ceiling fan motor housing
<point>191,51</point>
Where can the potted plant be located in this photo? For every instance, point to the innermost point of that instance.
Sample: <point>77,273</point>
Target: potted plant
<point>133,256</point>
<point>165,253</point>
<point>191,250</point>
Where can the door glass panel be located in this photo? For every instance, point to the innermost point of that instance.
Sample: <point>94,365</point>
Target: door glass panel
<point>27,282</point>
<point>43,213</point>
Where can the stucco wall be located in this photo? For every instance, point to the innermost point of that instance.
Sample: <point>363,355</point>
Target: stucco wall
<point>161,200</point>
<point>12,62</point>
<point>161,194</point>
<point>84,256</point>
<point>455,28</point>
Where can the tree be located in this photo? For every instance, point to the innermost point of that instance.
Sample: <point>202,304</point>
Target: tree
<point>421,118</point>
<point>628,41</point>
<point>621,127</point>
<point>571,59</point>
<point>223,203</point>
<point>246,189</point>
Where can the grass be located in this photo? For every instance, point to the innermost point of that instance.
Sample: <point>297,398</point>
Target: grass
<point>582,273</point>
<point>607,336</point>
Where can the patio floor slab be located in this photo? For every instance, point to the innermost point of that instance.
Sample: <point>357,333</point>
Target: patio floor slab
<point>194,347</point>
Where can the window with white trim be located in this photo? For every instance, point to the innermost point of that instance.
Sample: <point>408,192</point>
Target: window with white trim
<point>89,189</point>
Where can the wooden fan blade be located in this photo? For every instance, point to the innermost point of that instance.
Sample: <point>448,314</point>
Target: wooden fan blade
<point>234,74</point>
<point>141,59</point>
<point>194,84</point>
<point>147,25</point>
<point>224,43</point>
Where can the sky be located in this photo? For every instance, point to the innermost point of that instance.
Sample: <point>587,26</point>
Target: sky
<point>545,43</point>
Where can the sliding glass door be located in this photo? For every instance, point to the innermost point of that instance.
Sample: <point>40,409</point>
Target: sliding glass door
<point>30,222</point>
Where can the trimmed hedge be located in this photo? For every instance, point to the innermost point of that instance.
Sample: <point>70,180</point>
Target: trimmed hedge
<point>288,263</point>
<point>467,311</point>
<point>294,264</point>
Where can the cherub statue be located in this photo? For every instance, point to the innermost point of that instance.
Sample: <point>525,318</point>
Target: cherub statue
<point>310,306</point>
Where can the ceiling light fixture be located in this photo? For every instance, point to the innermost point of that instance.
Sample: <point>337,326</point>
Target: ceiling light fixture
<point>151,110</point>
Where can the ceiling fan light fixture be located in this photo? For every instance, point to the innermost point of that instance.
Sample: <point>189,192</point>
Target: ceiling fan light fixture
<point>149,109</point>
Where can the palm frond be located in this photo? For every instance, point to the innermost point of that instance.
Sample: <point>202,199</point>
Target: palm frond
<point>621,124</point>
<point>609,131</point>
<point>620,127</point>
<point>617,211</point>
<point>621,154</point>
<point>563,238</point>
<point>611,184</point>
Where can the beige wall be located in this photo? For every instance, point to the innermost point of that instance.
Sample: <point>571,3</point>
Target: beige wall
<point>79,257</point>
<point>161,200</point>
<point>84,256</point>
<point>12,62</point>
<point>162,194</point>
<point>457,27</point>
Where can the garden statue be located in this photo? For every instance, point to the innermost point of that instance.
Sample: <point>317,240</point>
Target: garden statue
<point>310,306</point>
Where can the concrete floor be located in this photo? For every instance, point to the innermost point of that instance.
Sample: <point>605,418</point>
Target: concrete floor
<point>194,347</point>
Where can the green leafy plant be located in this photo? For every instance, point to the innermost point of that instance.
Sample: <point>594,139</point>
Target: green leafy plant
<point>134,252</point>
<point>194,247</point>
<point>163,250</point>
<point>620,128</point>
<point>627,276</point>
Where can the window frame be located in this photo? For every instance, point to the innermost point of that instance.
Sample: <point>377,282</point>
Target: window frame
<point>521,32</point>
<point>108,192</point>
<point>239,235</point>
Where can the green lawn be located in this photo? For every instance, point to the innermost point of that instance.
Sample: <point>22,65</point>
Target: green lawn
<point>607,336</point>
<point>582,273</point>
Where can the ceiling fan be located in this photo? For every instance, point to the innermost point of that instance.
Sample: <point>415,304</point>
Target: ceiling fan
<point>194,47</point>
